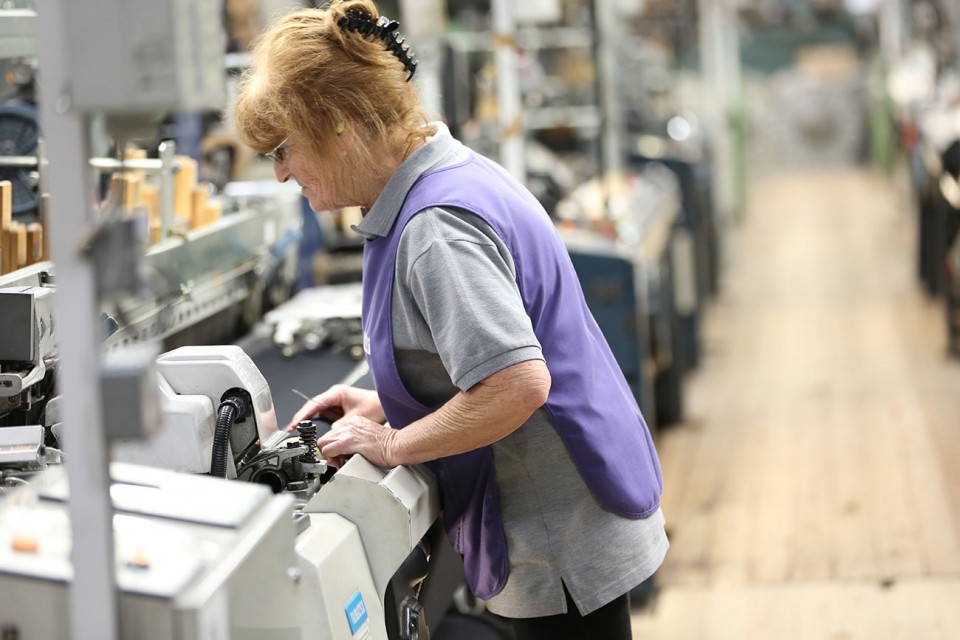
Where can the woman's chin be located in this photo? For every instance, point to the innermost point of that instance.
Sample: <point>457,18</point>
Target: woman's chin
<point>316,205</point>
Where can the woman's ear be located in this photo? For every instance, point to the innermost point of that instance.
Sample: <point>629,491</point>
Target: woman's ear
<point>346,136</point>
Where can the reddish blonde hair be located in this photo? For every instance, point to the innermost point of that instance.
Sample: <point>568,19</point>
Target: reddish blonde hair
<point>308,76</point>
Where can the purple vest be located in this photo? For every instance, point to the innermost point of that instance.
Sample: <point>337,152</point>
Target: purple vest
<point>590,403</point>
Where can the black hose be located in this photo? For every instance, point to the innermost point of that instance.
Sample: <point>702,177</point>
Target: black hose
<point>231,408</point>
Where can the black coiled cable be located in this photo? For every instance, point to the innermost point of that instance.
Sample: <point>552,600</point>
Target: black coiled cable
<point>232,408</point>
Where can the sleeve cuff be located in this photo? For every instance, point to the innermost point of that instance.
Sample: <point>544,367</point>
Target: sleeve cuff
<point>497,363</point>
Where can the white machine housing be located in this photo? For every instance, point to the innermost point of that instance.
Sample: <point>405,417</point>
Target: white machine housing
<point>196,558</point>
<point>393,508</point>
<point>21,446</point>
<point>192,382</point>
<point>363,523</point>
<point>201,558</point>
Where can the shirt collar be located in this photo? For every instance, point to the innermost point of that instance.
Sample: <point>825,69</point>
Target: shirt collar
<point>441,149</point>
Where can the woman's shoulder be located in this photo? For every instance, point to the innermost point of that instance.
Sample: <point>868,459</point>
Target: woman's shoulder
<point>447,224</point>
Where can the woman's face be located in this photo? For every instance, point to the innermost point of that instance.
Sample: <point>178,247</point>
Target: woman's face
<point>292,162</point>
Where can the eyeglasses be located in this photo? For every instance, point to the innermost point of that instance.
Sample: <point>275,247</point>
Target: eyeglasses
<point>279,152</point>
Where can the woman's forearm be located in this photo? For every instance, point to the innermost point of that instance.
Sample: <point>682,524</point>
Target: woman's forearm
<point>488,412</point>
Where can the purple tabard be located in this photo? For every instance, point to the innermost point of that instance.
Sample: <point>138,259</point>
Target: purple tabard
<point>589,403</point>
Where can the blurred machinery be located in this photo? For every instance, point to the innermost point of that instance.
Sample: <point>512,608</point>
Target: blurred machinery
<point>622,248</point>
<point>19,120</point>
<point>325,317</point>
<point>695,241</point>
<point>936,184</point>
<point>19,138</point>
<point>203,286</point>
<point>923,86</point>
<point>27,353</point>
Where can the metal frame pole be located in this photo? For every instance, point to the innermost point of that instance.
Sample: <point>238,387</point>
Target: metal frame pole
<point>508,89</point>
<point>424,22</point>
<point>891,31</point>
<point>715,66</point>
<point>93,598</point>
<point>609,33</point>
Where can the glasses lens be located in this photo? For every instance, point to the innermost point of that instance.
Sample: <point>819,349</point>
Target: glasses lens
<point>278,153</point>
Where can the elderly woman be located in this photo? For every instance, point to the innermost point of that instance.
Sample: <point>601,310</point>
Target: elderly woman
<point>487,363</point>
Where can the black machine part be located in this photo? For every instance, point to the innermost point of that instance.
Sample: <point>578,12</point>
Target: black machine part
<point>292,467</point>
<point>413,622</point>
<point>234,407</point>
<point>402,609</point>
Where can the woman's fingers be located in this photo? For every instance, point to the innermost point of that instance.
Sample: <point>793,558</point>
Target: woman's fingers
<point>327,406</point>
<point>338,461</point>
<point>354,434</point>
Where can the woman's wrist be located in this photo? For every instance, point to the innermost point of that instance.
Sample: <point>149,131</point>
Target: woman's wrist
<point>375,409</point>
<point>393,448</point>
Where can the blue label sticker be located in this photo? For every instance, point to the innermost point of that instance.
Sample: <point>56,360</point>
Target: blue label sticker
<point>356,612</point>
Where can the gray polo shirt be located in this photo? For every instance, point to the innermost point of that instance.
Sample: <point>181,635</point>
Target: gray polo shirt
<point>457,319</point>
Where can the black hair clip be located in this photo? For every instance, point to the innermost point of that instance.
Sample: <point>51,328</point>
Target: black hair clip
<point>384,29</point>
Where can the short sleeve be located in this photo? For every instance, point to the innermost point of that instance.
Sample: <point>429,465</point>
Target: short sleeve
<point>461,280</point>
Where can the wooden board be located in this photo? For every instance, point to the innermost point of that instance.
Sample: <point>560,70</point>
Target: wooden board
<point>6,203</point>
<point>34,242</point>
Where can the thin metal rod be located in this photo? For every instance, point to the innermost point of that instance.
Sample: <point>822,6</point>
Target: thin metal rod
<point>18,161</point>
<point>93,597</point>
<point>148,165</point>
<point>608,35</point>
<point>508,89</point>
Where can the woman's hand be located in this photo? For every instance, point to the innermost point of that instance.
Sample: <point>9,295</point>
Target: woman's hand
<point>356,434</point>
<point>341,401</point>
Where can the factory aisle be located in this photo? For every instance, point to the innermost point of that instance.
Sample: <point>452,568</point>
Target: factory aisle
<point>815,490</point>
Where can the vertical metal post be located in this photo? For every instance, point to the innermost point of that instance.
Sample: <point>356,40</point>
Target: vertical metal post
<point>608,34</point>
<point>423,23</point>
<point>736,107</point>
<point>891,31</point>
<point>93,600</point>
<point>508,88</point>
<point>715,66</point>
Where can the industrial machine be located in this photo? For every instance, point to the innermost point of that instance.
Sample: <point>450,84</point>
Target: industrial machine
<point>333,556</point>
<point>198,558</point>
<point>94,548</point>
<point>194,554</point>
<point>216,410</point>
<point>320,317</point>
<point>629,282</point>
<point>193,557</point>
<point>694,240</point>
<point>27,353</point>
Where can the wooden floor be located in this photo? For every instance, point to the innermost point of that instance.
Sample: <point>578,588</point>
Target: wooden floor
<point>814,491</point>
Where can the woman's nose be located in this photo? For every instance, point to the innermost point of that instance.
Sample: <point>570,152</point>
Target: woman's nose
<point>281,172</point>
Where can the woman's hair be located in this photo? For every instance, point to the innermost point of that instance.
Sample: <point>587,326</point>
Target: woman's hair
<point>310,77</point>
